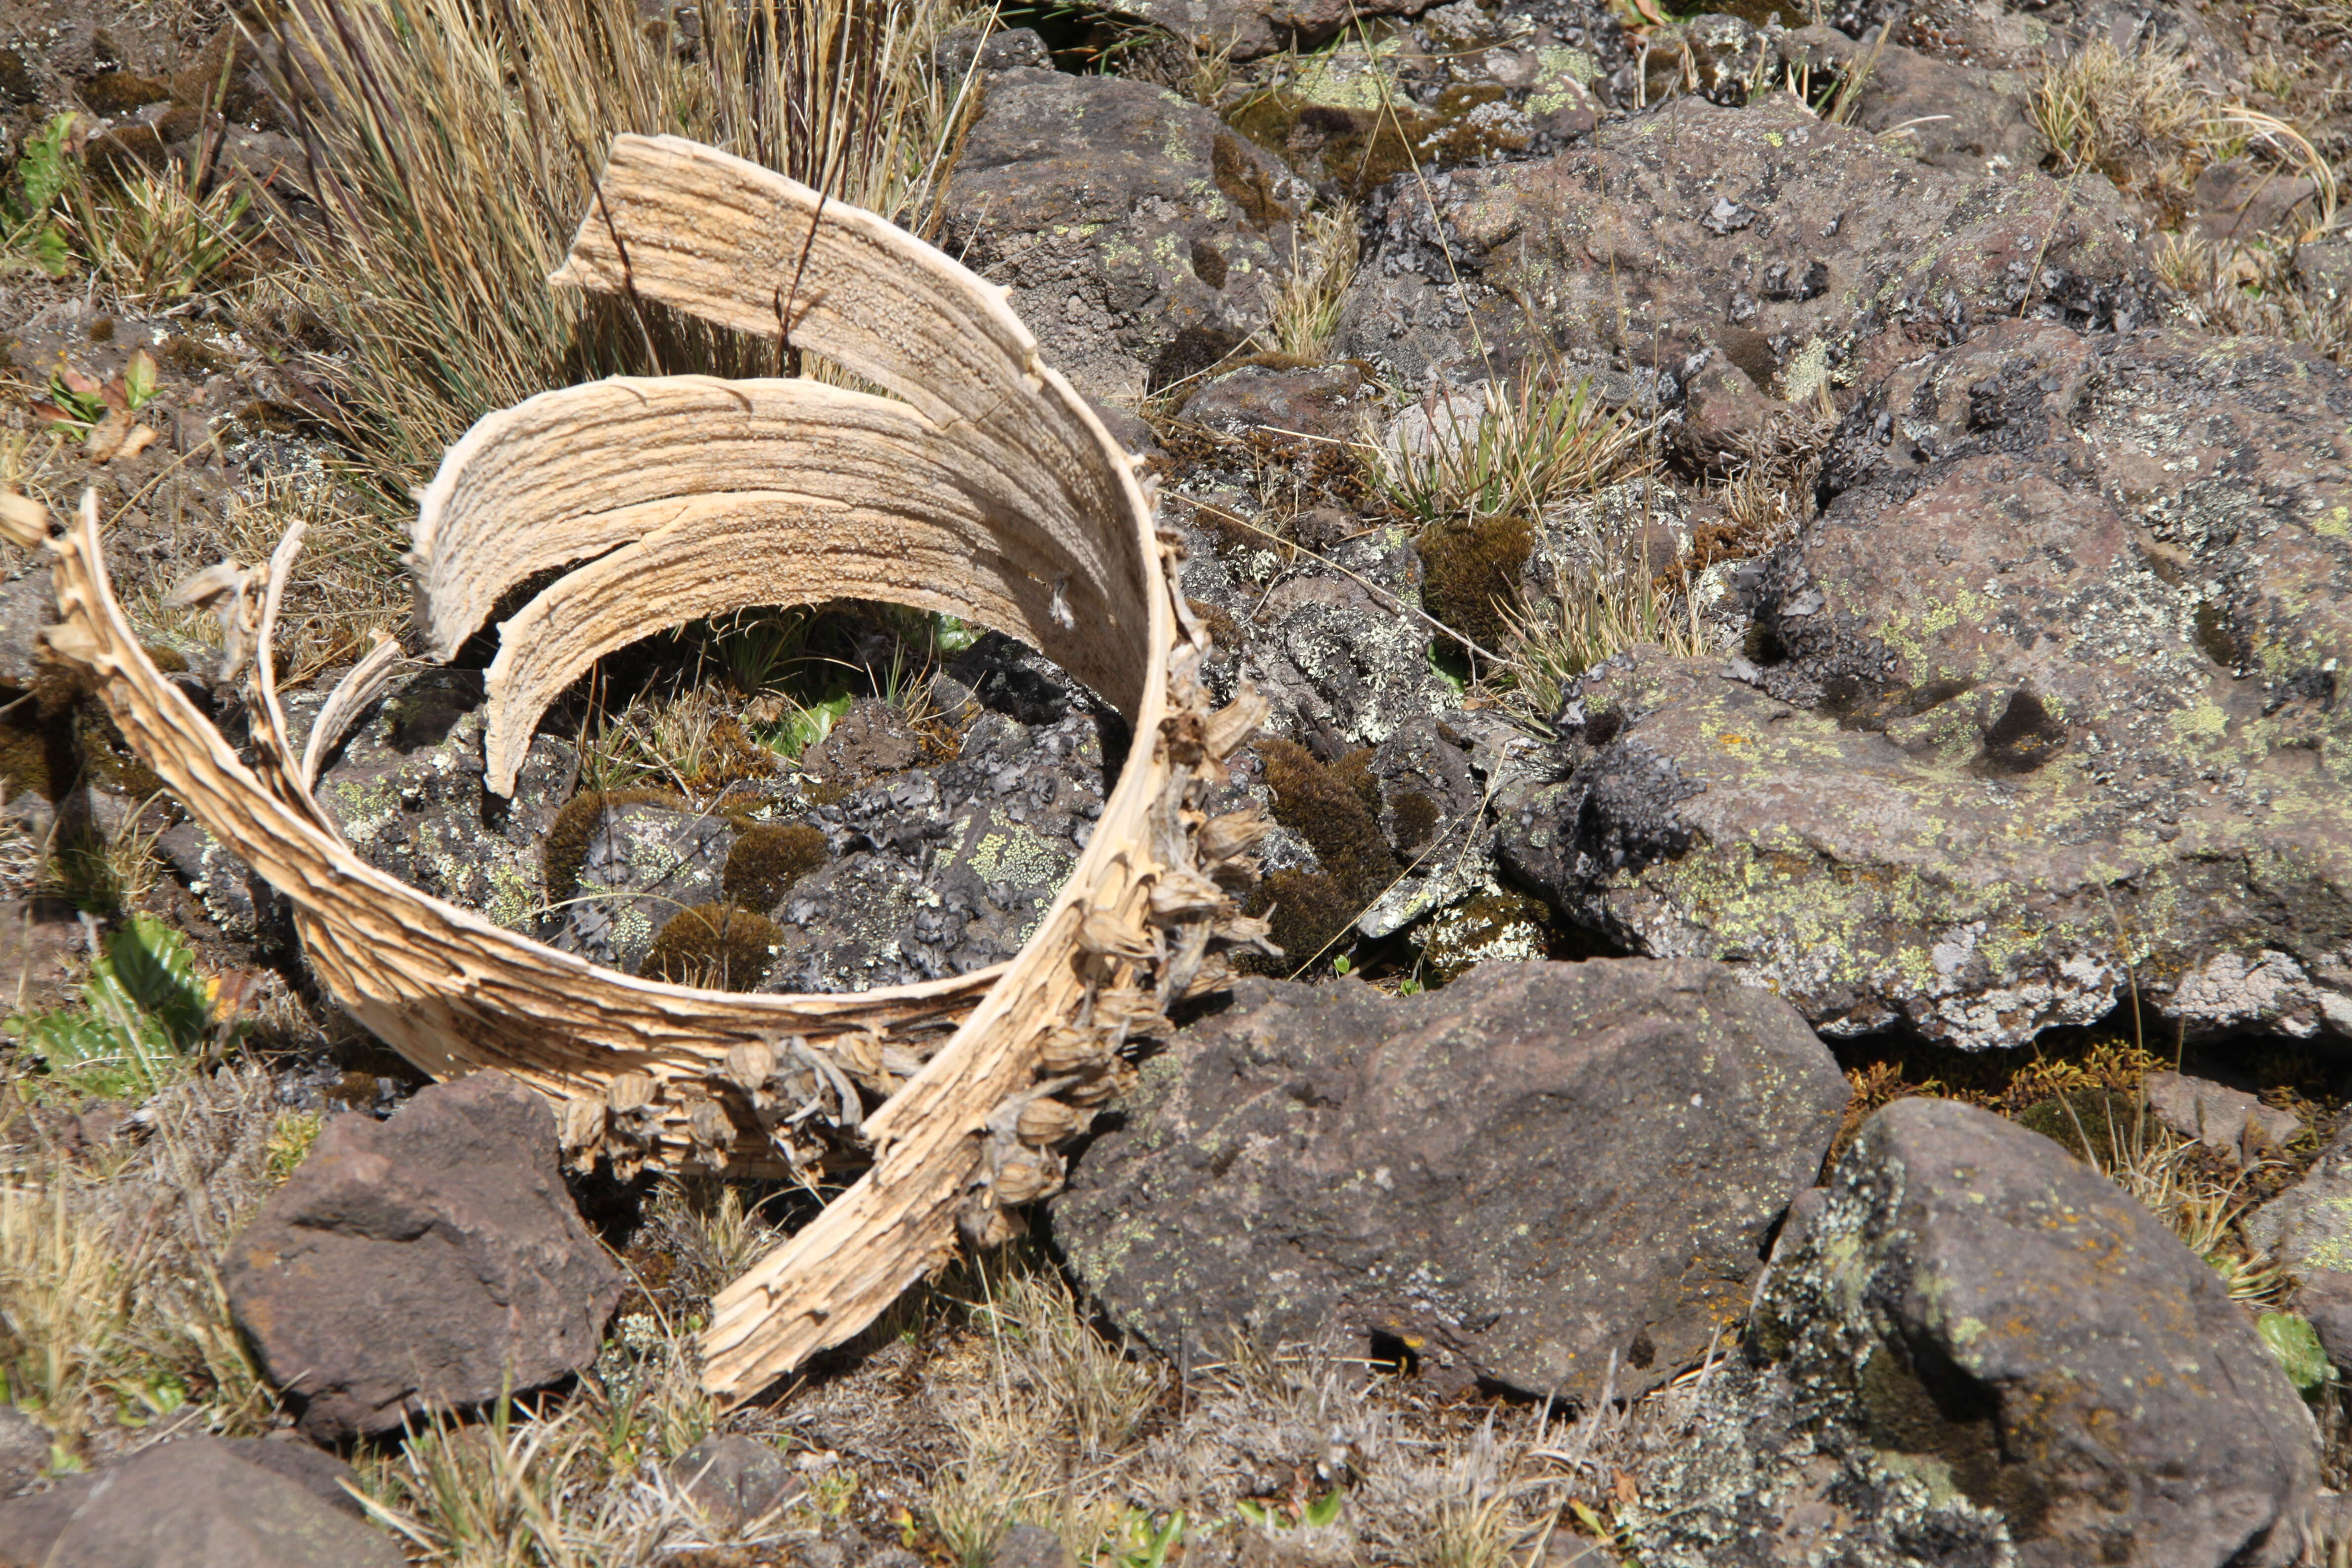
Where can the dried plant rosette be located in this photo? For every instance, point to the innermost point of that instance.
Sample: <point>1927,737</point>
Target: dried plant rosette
<point>977,484</point>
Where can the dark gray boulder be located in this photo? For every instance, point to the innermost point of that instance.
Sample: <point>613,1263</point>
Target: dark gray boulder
<point>2054,677</point>
<point>1541,1173</point>
<point>2013,1326</point>
<point>427,1262</point>
<point>198,1502</point>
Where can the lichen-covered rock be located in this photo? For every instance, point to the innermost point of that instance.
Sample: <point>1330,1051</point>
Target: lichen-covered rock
<point>405,788</point>
<point>641,864</point>
<point>1973,1302</point>
<point>1249,28</point>
<point>2049,689</point>
<point>943,870</point>
<point>1463,1171</point>
<point>1764,1479</point>
<point>1334,651</point>
<point>2308,1230</point>
<point>1141,237</point>
<point>1805,252</point>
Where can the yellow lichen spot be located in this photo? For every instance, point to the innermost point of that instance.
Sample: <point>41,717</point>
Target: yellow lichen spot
<point>1807,371</point>
<point>2204,722</point>
<point>2336,524</point>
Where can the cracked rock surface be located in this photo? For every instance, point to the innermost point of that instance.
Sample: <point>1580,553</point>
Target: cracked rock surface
<point>2049,687</point>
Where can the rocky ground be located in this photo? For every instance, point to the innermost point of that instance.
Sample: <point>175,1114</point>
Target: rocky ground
<point>1801,563</point>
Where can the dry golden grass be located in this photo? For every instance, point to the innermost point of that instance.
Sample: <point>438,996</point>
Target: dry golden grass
<point>1322,265</point>
<point>348,584</point>
<point>1596,608</point>
<point>2250,290</point>
<point>111,1313</point>
<point>2134,116</point>
<point>2138,118</point>
<point>455,147</point>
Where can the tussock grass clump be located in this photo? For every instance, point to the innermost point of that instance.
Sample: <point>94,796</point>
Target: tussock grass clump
<point>1519,448</point>
<point>2234,291</point>
<point>1307,311</point>
<point>453,147</point>
<point>1592,614</point>
<point>2133,115</point>
<point>2137,117</point>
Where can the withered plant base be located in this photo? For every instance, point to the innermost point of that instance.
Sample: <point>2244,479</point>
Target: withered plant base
<point>983,487</point>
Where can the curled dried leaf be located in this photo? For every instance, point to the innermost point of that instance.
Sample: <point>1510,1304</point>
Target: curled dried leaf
<point>1047,1122</point>
<point>1234,833</point>
<point>1109,935</point>
<point>24,521</point>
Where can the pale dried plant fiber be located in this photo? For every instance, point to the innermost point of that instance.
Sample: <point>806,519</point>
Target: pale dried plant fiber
<point>982,488</point>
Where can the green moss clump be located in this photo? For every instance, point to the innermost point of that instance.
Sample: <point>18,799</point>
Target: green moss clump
<point>1413,820</point>
<point>1471,573</point>
<point>566,850</point>
<point>714,945</point>
<point>767,860</point>
<point>37,753</point>
<point>109,757</point>
<point>1336,809</point>
<point>2101,1126</point>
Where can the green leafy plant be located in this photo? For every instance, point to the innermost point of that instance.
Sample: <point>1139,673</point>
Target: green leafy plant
<point>48,168</point>
<point>1311,1514</point>
<point>145,1012</point>
<point>1137,1542</point>
<point>80,402</point>
<point>2296,1343</point>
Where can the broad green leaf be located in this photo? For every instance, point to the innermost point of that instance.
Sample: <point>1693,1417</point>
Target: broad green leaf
<point>2296,1343</point>
<point>139,379</point>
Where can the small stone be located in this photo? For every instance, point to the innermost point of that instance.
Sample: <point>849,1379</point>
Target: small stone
<point>1320,400</point>
<point>1031,1546</point>
<point>736,1479</point>
<point>429,1262</point>
<point>2228,1120</point>
<point>193,1503</point>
